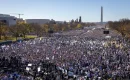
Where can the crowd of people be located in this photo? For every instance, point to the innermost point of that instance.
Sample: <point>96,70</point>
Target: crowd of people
<point>74,57</point>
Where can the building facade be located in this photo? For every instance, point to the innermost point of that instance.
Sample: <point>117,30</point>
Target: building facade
<point>8,20</point>
<point>42,21</point>
<point>38,21</point>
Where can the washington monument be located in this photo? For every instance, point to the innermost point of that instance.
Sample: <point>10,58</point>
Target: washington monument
<point>101,14</point>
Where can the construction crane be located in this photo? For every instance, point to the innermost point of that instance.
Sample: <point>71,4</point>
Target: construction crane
<point>17,14</point>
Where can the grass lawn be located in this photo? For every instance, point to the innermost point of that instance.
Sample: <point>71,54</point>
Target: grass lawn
<point>14,39</point>
<point>30,36</point>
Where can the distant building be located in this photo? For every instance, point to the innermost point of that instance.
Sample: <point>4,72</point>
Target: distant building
<point>58,22</point>
<point>8,20</point>
<point>21,20</point>
<point>42,21</point>
<point>38,21</point>
<point>80,19</point>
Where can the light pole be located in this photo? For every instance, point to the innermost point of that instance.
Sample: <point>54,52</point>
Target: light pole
<point>0,29</point>
<point>17,23</point>
<point>17,14</point>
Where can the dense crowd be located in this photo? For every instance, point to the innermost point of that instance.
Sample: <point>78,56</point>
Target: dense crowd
<point>74,57</point>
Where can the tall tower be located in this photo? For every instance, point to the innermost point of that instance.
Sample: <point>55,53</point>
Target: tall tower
<point>80,19</point>
<point>101,14</point>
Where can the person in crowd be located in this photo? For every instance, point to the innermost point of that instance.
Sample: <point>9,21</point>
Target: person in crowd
<point>67,57</point>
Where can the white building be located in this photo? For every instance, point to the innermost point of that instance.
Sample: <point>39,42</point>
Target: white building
<point>9,20</point>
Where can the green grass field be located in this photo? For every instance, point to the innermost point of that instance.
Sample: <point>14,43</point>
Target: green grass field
<point>14,39</point>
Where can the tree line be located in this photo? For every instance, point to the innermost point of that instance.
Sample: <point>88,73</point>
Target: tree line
<point>21,29</point>
<point>122,27</point>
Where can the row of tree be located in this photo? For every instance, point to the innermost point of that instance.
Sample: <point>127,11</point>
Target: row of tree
<point>22,29</point>
<point>122,26</point>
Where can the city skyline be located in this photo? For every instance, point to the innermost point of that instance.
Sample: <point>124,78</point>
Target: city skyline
<point>66,10</point>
